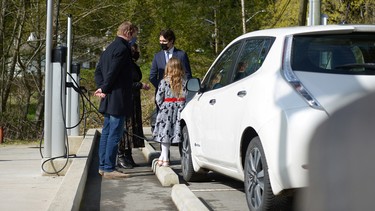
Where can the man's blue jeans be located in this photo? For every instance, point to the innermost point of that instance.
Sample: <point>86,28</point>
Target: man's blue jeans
<point>113,128</point>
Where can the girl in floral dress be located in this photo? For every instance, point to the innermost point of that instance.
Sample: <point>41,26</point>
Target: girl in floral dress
<point>170,99</point>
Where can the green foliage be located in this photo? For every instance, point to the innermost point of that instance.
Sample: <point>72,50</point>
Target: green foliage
<point>350,11</point>
<point>87,79</point>
<point>21,90</point>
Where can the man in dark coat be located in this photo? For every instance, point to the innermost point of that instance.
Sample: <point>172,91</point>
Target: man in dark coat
<point>113,77</point>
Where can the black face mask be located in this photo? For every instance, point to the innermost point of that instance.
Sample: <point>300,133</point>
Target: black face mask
<point>135,56</point>
<point>164,46</point>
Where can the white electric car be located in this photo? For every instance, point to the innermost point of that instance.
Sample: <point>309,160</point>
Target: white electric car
<point>258,105</point>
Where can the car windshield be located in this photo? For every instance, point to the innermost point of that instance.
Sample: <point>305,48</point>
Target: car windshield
<point>335,53</point>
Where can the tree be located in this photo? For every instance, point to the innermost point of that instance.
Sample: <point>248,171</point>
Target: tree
<point>302,12</point>
<point>349,11</point>
<point>203,29</point>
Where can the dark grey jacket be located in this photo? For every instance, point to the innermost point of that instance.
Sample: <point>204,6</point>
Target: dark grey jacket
<point>113,75</point>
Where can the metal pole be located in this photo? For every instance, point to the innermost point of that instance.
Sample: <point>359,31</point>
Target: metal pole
<point>48,83</point>
<point>314,12</point>
<point>324,19</point>
<point>68,69</point>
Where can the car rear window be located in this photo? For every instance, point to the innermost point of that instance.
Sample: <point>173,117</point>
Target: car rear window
<point>335,53</point>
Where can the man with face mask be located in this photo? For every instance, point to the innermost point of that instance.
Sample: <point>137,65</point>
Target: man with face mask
<point>167,39</point>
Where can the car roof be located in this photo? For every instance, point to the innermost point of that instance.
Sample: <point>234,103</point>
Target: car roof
<point>319,29</point>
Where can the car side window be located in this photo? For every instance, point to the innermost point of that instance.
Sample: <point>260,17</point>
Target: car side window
<point>333,54</point>
<point>252,56</point>
<point>218,76</point>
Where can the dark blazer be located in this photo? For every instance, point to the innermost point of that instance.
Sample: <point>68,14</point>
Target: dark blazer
<point>158,65</point>
<point>113,75</point>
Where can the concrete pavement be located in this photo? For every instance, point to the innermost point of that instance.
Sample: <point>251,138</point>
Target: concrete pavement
<point>23,186</point>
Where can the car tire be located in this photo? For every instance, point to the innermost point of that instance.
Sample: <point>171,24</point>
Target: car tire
<point>187,168</point>
<point>258,190</point>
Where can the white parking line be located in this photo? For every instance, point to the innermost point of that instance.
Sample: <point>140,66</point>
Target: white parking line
<point>216,190</point>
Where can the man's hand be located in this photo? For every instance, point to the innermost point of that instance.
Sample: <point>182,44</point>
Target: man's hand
<point>99,93</point>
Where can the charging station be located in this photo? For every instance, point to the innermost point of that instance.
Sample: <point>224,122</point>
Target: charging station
<point>73,109</point>
<point>57,101</point>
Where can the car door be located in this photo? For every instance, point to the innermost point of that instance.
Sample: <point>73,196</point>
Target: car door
<point>231,105</point>
<point>215,81</point>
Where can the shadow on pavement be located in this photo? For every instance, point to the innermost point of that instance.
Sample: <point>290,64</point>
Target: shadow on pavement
<point>92,193</point>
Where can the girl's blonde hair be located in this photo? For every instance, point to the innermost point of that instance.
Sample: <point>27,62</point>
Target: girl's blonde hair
<point>175,74</point>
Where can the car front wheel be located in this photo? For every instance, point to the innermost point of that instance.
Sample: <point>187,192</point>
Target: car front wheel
<point>188,172</point>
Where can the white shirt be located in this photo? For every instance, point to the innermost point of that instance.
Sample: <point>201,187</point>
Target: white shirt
<point>168,54</point>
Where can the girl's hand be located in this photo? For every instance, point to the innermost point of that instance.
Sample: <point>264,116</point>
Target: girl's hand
<point>145,86</point>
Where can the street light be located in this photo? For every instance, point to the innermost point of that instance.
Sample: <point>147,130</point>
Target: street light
<point>252,17</point>
<point>36,44</point>
<point>255,15</point>
<point>32,37</point>
<point>108,33</point>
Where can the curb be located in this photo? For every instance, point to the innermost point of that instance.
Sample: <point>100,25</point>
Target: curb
<point>70,193</point>
<point>181,195</point>
<point>166,175</point>
<point>149,153</point>
<point>184,199</point>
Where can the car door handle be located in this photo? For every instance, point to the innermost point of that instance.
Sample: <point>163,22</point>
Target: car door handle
<point>241,93</point>
<point>212,101</point>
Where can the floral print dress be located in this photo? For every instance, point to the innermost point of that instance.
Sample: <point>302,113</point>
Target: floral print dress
<point>167,128</point>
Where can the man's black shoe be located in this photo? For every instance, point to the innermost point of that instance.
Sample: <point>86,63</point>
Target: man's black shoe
<point>129,159</point>
<point>124,163</point>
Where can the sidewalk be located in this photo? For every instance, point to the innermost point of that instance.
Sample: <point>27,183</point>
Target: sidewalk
<point>141,191</point>
<point>23,187</point>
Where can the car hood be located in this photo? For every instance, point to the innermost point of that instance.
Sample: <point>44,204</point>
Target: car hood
<point>334,91</point>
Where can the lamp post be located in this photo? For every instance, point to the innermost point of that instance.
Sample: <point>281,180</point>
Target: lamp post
<point>48,83</point>
<point>314,12</point>
<point>253,16</point>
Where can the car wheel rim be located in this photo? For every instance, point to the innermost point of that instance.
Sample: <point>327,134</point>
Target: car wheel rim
<point>185,152</point>
<point>255,180</point>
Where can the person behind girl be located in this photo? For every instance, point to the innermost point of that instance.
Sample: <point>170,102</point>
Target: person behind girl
<point>133,124</point>
<point>170,98</point>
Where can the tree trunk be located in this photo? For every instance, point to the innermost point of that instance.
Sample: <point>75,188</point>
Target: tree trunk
<point>302,12</point>
<point>2,53</point>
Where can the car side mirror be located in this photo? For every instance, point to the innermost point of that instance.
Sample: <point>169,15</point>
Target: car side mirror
<point>193,85</point>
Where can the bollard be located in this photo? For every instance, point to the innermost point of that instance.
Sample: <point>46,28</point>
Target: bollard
<point>1,134</point>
